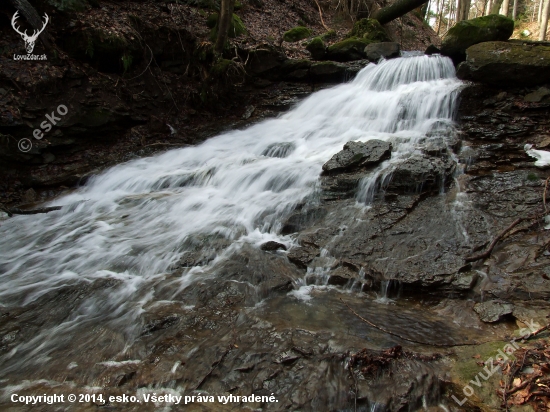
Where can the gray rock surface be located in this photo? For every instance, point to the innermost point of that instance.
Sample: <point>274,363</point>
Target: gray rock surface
<point>387,50</point>
<point>357,154</point>
<point>492,310</point>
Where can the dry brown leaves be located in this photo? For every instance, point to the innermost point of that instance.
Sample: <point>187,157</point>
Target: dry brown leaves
<point>527,379</point>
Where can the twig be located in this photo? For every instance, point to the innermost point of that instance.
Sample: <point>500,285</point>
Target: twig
<point>321,16</point>
<point>538,331</point>
<point>408,339</point>
<point>150,61</point>
<point>487,253</point>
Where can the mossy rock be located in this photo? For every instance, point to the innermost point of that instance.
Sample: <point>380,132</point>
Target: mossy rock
<point>317,48</point>
<point>348,50</point>
<point>470,32</point>
<point>369,29</point>
<point>236,29</point>
<point>506,64</point>
<point>329,35</point>
<point>296,34</point>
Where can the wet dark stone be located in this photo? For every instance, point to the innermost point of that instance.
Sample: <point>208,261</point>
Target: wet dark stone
<point>357,154</point>
<point>421,173</point>
<point>341,276</point>
<point>272,246</point>
<point>492,310</point>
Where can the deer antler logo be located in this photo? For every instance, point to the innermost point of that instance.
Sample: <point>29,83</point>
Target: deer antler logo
<point>29,40</point>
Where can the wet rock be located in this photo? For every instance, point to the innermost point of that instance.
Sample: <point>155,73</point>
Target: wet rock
<point>272,246</point>
<point>302,256</point>
<point>347,50</point>
<point>302,218</point>
<point>387,50</point>
<point>469,32</point>
<point>327,71</point>
<point>341,276</point>
<point>342,185</point>
<point>421,173</point>
<point>358,154</point>
<point>492,311</point>
<point>506,64</point>
<point>432,50</point>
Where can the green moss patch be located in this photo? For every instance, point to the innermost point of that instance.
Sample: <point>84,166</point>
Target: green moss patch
<point>369,29</point>
<point>317,48</point>
<point>296,34</point>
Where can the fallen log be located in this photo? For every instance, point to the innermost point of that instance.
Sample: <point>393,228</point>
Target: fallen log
<point>396,10</point>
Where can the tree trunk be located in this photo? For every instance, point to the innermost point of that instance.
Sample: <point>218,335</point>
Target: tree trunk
<point>396,10</point>
<point>487,10</point>
<point>34,19</point>
<point>539,16</point>
<point>544,22</point>
<point>495,8</point>
<point>515,10</point>
<point>463,12</point>
<point>505,7</point>
<point>224,22</point>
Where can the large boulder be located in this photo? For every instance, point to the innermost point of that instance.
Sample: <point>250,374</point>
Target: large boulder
<point>347,50</point>
<point>387,50</point>
<point>507,63</point>
<point>359,154</point>
<point>469,32</point>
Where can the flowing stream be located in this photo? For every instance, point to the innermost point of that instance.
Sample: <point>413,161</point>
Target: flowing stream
<point>133,224</point>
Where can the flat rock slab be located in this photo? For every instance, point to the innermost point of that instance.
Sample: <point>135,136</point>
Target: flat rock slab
<point>358,154</point>
<point>492,310</point>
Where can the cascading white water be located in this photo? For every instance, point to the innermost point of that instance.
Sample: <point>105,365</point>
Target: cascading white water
<point>135,221</point>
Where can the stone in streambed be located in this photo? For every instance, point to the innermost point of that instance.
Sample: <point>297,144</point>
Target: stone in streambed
<point>358,154</point>
<point>272,246</point>
<point>493,310</point>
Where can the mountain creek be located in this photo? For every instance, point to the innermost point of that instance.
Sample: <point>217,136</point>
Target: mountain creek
<point>277,259</point>
<point>295,218</point>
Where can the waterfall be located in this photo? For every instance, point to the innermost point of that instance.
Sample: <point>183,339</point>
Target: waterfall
<point>134,222</point>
